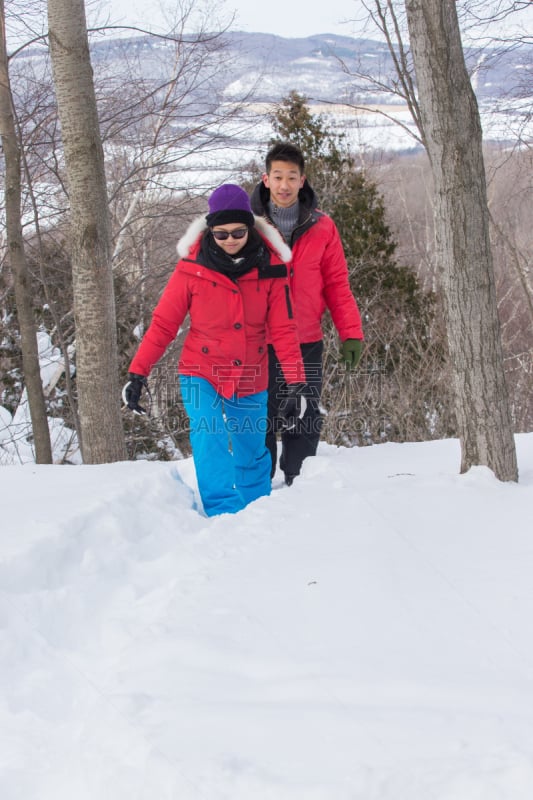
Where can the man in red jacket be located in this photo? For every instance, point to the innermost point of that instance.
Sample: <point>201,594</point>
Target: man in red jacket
<point>319,280</point>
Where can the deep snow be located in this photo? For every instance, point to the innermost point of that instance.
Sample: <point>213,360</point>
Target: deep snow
<point>363,635</point>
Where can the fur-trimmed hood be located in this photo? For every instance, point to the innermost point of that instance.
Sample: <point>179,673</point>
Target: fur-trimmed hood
<point>263,227</point>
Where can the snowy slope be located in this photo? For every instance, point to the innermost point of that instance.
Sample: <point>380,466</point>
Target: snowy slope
<point>363,635</point>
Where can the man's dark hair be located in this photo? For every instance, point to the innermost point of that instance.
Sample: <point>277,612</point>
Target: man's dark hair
<point>284,151</point>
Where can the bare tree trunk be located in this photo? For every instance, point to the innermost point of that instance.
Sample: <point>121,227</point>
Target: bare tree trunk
<point>30,353</point>
<point>452,132</point>
<point>94,308</point>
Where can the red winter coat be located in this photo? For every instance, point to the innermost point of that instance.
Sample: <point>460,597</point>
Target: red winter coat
<point>318,270</point>
<point>227,340</point>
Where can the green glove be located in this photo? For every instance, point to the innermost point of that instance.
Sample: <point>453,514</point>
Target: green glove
<point>351,351</point>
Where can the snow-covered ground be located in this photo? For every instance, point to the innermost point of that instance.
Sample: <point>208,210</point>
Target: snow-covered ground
<point>363,635</point>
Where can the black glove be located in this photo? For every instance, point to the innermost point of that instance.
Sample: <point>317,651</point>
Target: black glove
<point>131,393</point>
<point>292,407</point>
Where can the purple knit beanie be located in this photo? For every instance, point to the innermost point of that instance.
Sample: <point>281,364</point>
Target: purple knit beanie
<point>229,203</point>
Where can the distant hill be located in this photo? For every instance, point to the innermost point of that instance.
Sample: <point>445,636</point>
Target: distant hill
<point>328,69</point>
<point>325,67</point>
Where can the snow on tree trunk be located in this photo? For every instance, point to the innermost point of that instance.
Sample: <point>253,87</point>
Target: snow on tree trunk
<point>452,131</point>
<point>94,308</point>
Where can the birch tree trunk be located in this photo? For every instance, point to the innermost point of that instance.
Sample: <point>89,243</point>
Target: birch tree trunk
<point>452,132</point>
<point>94,306</point>
<point>17,260</point>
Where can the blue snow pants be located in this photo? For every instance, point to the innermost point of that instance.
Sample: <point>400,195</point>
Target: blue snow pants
<point>228,445</point>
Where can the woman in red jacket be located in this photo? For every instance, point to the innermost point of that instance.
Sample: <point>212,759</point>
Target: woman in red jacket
<point>232,280</point>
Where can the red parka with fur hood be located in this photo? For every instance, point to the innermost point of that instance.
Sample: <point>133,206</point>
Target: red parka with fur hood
<point>229,319</point>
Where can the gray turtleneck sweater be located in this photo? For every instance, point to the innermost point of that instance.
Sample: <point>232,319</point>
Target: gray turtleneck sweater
<point>285,219</point>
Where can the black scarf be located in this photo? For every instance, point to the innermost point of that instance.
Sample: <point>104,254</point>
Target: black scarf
<point>253,254</point>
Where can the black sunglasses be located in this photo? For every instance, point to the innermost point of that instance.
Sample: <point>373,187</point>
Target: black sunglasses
<point>238,233</point>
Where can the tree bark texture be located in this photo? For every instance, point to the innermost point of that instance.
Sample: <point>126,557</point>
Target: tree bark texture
<point>452,130</point>
<point>17,261</point>
<point>94,306</point>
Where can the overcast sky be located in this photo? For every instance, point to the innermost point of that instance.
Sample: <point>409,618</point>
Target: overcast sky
<point>282,17</point>
<point>288,18</point>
